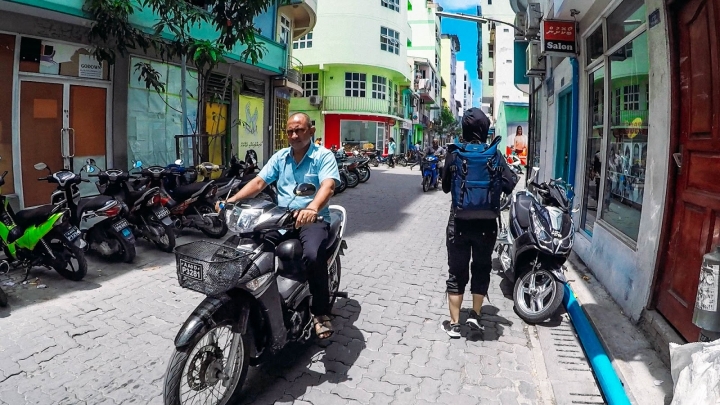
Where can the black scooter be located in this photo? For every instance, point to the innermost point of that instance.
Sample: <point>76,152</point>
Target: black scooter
<point>540,239</point>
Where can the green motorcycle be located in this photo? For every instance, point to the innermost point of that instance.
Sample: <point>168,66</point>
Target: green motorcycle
<point>42,236</point>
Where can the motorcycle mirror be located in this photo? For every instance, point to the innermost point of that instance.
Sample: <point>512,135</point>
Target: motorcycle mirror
<point>304,190</point>
<point>138,164</point>
<point>90,169</point>
<point>179,162</point>
<point>40,166</point>
<point>90,162</point>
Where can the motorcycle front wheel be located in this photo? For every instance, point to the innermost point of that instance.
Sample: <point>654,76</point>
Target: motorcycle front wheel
<point>343,184</point>
<point>374,162</point>
<point>426,183</point>
<point>196,373</point>
<point>537,295</point>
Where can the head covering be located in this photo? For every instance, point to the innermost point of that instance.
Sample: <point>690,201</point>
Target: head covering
<point>475,125</point>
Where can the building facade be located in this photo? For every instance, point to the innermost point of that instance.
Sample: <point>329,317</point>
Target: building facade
<point>450,46</point>
<point>56,94</point>
<point>462,87</point>
<point>357,88</point>
<point>629,123</point>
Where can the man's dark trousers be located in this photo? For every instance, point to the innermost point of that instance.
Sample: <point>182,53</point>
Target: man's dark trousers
<point>314,239</point>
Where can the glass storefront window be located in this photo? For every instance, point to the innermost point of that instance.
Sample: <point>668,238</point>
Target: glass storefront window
<point>358,133</point>
<point>594,45</point>
<point>626,152</point>
<point>626,18</point>
<point>593,150</point>
<point>54,58</point>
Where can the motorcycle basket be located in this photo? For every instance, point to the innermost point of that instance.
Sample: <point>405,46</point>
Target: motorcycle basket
<point>210,268</point>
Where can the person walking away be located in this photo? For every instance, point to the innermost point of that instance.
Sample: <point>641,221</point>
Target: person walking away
<point>391,152</point>
<point>472,231</point>
<point>304,162</point>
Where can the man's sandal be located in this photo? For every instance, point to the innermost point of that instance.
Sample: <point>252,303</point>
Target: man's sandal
<point>323,327</point>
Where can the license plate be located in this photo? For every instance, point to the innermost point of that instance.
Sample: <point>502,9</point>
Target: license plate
<point>161,212</point>
<point>191,270</point>
<point>120,225</point>
<point>72,234</point>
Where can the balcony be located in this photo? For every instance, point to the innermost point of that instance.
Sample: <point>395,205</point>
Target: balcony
<point>425,89</point>
<point>360,105</point>
<point>302,12</point>
<point>292,77</point>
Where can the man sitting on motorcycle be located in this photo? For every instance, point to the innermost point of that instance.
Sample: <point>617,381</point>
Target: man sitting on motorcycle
<point>439,151</point>
<point>304,162</point>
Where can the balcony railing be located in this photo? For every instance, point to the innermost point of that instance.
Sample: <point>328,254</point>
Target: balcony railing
<point>294,71</point>
<point>359,104</point>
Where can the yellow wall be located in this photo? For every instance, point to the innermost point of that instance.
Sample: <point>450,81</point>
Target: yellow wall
<point>250,132</point>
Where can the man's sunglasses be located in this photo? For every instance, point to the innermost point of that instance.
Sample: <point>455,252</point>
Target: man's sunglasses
<point>298,131</point>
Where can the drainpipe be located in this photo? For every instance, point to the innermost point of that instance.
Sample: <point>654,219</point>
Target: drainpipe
<point>574,123</point>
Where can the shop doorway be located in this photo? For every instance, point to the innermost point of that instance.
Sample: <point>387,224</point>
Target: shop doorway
<point>562,141</point>
<point>693,226</point>
<point>62,123</point>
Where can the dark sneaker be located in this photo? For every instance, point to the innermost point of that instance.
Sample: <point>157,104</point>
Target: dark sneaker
<point>452,329</point>
<point>473,320</point>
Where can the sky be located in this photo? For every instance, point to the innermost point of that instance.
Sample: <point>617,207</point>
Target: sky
<point>467,33</point>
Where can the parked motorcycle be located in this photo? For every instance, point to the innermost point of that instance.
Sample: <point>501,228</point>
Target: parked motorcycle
<point>191,204</point>
<point>41,236</point>
<point>430,172</point>
<point>363,166</point>
<point>515,163</point>
<point>254,307</point>
<point>540,238</point>
<point>146,212</point>
<point>99,218</point>
<point>235,177</point>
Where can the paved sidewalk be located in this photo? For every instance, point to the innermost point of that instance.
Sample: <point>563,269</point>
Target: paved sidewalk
<point>107,339</point>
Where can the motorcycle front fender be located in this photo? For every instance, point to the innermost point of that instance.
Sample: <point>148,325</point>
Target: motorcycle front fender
<point>201,320</point>
<point>559,275</point>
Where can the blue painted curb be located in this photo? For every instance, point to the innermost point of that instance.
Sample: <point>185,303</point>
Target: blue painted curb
<point>610,384</point>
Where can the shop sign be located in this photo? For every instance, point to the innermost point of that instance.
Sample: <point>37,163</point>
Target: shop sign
<point>559,38</point>
<point>90,67</point>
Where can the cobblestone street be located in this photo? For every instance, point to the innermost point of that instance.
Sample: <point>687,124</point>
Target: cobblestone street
<point>107,339</point>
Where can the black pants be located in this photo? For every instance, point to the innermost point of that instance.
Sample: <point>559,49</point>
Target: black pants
<point>391,160</point>
<point>314,239</point>
<point>466,239</point>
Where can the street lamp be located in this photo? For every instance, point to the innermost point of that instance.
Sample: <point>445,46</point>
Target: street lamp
<point>475,18</point>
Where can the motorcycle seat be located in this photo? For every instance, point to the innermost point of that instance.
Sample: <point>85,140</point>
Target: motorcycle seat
<point>135,196</point>
<point>522,210</point>
<point>34,216</point>
<point>223,181</point>
<point>93,203</point>
<point>188,191</point>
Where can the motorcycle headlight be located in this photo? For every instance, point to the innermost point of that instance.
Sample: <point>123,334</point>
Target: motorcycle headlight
<point>241,220</point>
<point>538,229</point>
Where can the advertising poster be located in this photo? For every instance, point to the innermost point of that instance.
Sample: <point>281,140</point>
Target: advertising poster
<point>517,140</point>
<point>250,132</point>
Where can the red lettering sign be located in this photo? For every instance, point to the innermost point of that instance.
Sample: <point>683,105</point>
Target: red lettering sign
<point>559,30</point>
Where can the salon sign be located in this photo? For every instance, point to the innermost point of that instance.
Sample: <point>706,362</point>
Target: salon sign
<point>559,38</point>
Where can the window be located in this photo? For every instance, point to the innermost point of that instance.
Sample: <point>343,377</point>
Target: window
<point>379,87</point>
<point>627,17</point>
<point>391,4</point>
<point>305,41</point>
<point>506,29</point>
<point>627,144</point>
<point>631,97</point>
<point>389,40</point>
<point>310,84</point>
<point>285,25</point>
<point>491,50</point>
<point>489,2</point>
<point>593,154</point>
<point>508,61</point>
<point>437,61</point>
<point>355,84</point>
<point>491,78</point>
<point>594,45</point>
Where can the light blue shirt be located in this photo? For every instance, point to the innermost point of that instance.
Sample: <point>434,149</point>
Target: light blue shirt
<point>391,148</point>
<point>317,165</point>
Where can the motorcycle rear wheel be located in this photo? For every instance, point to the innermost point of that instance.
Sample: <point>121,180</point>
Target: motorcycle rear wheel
<point>537,295</point>
<point>353,179</point>
<point>70,251</point>
<point>374,162</point>
<point>219,228</point>
<point>127,255</point>
<point>402,161</point>
<point>167,241</point>
<point>189,370</point>
<point>334,273</point>
<point>364,174</point>
<point>343,184</point>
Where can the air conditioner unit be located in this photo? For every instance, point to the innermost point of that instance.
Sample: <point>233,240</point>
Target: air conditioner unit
<point>315,100</point>
<point>532,20</point>
<point>520,19</point>
<point>535,61</point>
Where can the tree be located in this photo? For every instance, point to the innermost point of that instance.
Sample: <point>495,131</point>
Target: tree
<point>112,33</point>
<point>446,125</point>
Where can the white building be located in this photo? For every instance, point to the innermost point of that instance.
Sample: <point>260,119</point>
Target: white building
<point>463,88</point>
<point>498,59</point>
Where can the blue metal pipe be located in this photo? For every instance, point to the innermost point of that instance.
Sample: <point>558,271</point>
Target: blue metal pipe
<point>610,384</point>
<point>574,122</point>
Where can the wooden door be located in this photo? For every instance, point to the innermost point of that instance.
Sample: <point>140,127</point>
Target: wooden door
<point>695,221</point>
<point>41,122</point>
